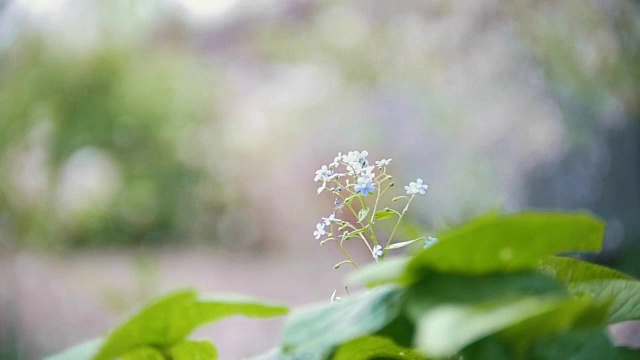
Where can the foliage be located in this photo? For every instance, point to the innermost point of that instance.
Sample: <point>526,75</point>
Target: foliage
<point>112,106</point>
<point>494,288</point>
<point>160,330</point>
<point>490,289</point>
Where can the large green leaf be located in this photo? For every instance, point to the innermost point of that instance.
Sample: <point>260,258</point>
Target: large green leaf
<point>445,330</point>
<point>573,270</point>
<point>601,283</point>
<point>319,329</point>
<point>454,311</point>
<point>435,289</point>
<point>507,243</point>
<point>572,313</point>
<point>490,348</point>
<point>375,347</point>
<point>169,320</point>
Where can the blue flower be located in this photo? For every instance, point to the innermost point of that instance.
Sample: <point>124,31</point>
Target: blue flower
<point>364,185</point>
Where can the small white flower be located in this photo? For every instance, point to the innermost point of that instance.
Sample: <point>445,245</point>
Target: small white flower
<point>336,161</point>
<point>324,174</point>
<point>383,162</point>
<point>356,157</point>
<point>416,187</point>
<point>355,168</point>
<point>349,157</point>
<point>368,172</point>
<point>319,231</point>
<point>358,169</point>
<point>377,252</point>
<point>330,219</point>
<point>362,157</point>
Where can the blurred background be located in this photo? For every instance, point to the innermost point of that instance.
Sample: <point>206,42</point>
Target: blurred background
<point>152,145</point>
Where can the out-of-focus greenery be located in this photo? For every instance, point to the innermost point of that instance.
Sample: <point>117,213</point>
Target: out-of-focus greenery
<point>496,88</point>
<point>128,112</point>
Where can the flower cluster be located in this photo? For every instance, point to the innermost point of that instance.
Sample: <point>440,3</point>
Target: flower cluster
<point>358,186</point>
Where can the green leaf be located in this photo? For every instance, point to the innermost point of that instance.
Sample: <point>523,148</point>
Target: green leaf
<point>490,348</point>
<point>602,284</point>
<point>509,243</point>
<point>436,289</point>
<point>592,344</point>
<point>446,329</point>
<point>573,270</point>
<point>362,214</point>
<point>384,214</point>
<point>143,353</point>
<point>84,351</point>
<point>352,234</point>
<point>453,310</point>
<point>375,347</point>
<point>169,320</point>
<point>318,329</point>
<point>567,314</point>
<point>193,350</point>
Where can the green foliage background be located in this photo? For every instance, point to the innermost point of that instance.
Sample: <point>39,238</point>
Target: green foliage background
<point>137,108</point>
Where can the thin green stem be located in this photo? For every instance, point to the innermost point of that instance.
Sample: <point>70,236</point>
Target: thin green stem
<point>404,211</point>
<point>344,251</point>
<point>359,235</point>
<point>369,229</point>
<point>365,242</point>
<point>375,206</point>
